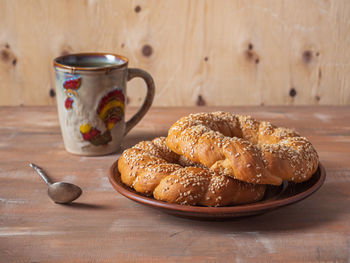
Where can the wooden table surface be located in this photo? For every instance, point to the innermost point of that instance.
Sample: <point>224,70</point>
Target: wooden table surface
<point>105,226</point>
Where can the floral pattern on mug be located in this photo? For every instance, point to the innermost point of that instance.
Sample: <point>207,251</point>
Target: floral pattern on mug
<point>110,110</point>
<point>94,136</point>
<point>71,86</point>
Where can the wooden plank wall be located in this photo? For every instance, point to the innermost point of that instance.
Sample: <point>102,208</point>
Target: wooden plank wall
<point>227,52</point>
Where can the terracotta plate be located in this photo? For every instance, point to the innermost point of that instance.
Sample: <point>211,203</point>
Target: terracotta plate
<point>275,197</point>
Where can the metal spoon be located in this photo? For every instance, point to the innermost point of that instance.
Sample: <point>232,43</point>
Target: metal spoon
<point>60,192</point>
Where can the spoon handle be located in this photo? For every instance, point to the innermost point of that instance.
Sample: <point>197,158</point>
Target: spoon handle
<point>41,172</point>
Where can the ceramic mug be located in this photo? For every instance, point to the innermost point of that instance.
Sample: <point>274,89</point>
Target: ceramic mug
<point>91,96</point>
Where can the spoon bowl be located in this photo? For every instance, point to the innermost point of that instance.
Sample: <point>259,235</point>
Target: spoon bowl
<point>63,193</point>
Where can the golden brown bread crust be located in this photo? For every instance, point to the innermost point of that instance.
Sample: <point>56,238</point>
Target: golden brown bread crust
<point>244,148</point>
<point>151,168</point>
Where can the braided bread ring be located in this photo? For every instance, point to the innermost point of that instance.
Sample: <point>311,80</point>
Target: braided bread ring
<point>151,168</point>
<point>244,148</point>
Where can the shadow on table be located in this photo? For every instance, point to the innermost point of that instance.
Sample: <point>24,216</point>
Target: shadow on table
<point>86,206</point>
<point>323,207</point>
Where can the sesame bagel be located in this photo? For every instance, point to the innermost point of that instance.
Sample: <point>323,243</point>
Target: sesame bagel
<point>151,168</point>
<point>244,148</point>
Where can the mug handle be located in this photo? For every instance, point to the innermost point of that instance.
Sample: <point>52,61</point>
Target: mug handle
<point>139,73</point>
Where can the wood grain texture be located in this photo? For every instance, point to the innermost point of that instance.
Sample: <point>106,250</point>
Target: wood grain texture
<point>230,52</point>
<point>104,226</point>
